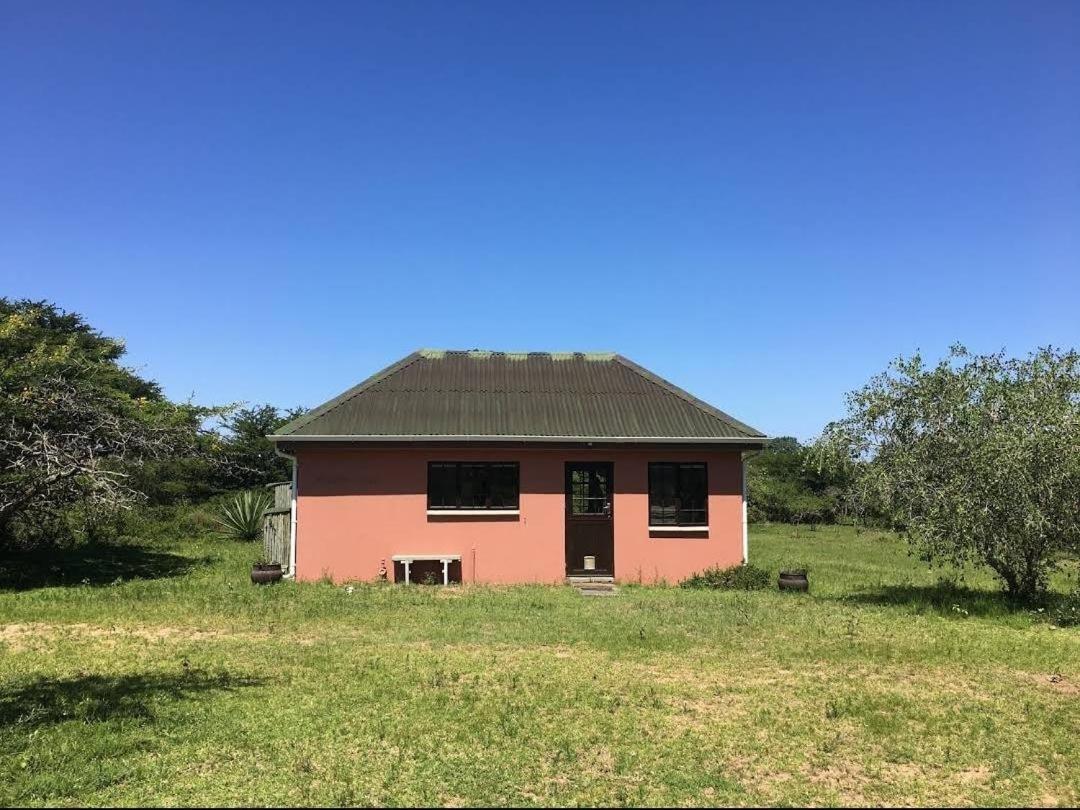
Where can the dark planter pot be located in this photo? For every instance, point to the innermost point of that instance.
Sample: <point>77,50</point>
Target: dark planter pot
<point>794,581</point>
<point>266,574</point>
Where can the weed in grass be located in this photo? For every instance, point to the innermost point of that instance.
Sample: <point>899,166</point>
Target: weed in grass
<point>744,609</point>
<point>851,629</point>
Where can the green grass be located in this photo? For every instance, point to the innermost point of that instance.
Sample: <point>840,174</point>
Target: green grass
<point>166,678</point>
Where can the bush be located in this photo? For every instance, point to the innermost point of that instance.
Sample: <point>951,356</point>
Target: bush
<point>735,578</point>
<point>1066,613</point>
<point>241,518</point>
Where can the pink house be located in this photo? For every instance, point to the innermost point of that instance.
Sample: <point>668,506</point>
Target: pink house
<point>505,468</point>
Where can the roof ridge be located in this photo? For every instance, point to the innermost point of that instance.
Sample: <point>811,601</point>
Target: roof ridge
<point>700,404</point>
<point>518,390</point>
<point>341,399</point>
<point>439,354</point>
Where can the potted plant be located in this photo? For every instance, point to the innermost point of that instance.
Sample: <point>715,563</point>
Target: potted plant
<point>264,573</point>
<point>794,577</point>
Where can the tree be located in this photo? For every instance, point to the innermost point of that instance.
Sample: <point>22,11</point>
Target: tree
<point>783,485</point>
<point>251,457</point>
<point>74,423</point>
<point>975,459</point>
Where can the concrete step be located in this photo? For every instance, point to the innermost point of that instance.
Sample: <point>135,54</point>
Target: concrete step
<point>585,580</point>
<point>611,590</point>
<point>604,587</point>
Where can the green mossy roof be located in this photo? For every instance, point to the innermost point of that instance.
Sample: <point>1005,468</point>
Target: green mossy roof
<point>435,393</point>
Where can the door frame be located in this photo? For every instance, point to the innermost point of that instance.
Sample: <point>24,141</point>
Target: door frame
<point>607,519</point>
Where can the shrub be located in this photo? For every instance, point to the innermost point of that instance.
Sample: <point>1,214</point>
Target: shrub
<point>1066,613</point>
<point>735,578</point>
<point>241,518</point>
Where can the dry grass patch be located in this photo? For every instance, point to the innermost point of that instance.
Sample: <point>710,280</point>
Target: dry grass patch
<point>39,635</point>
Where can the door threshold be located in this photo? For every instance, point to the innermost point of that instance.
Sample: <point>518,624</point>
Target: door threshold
<point>584,579</point>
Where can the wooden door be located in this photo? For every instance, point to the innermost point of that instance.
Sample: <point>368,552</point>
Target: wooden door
<point>590,517</point>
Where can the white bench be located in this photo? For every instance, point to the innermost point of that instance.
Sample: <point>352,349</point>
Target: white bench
<point>408,559</point>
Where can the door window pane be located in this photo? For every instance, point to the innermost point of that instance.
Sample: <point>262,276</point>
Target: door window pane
<point>590,491</point>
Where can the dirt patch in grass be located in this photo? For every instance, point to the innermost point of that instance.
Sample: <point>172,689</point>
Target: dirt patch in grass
<point>598,762</point>
<point>974,776</point>
<point>678,671</point>
<point>1058,683</point>
<point>905,770</point>
<point>847,780</point>
<point>450,593</point>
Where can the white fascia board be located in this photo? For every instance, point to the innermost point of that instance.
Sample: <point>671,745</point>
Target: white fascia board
<point>577,439</point>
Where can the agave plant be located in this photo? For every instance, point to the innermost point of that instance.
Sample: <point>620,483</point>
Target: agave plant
<point>242,517</point>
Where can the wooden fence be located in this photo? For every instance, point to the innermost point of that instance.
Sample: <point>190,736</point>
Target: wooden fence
<point>276,524</point>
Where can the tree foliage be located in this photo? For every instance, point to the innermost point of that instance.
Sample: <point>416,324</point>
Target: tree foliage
<point>974,459</point>
<point>234,455</point>
<point>74,422</point>
<point>784,486</point>
<point>253,461</point>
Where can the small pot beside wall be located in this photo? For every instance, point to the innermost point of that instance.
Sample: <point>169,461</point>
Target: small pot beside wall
<point>266,573</point>
<point>794,580</point>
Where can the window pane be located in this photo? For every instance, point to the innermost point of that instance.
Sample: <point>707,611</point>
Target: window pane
<point>599,484</point>
<point>442,486</point>
<point>473,485</point>
<point>597,499</point>
<point>589,491</point>
<point>579,491</point>
<point>662,490</point>
<point>504,486</point>
<point>473,480</point>
<point>693,495</point>
<point>678,494</point>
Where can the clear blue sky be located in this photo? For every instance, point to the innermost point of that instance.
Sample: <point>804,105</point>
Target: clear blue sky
<point>763,202</point>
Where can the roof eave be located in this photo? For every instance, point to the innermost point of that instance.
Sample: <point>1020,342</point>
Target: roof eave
<point>743,440</point>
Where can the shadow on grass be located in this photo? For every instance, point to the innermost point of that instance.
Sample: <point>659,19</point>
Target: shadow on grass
<point>945,599</point>
<point>99,698</point>
<point>92,564</point>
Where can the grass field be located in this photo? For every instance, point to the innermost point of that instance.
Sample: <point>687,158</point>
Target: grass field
<point>154,673</point>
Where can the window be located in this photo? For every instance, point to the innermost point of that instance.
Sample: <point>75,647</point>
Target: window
<point>472,485</point>
<point>590,489</point>
<point>678,494</point>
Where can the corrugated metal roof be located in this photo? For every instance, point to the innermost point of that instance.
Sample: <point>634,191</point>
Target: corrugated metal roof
<point>481,394</point>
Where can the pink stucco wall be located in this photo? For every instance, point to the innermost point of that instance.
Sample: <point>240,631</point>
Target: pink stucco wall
<point>357,507</point>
